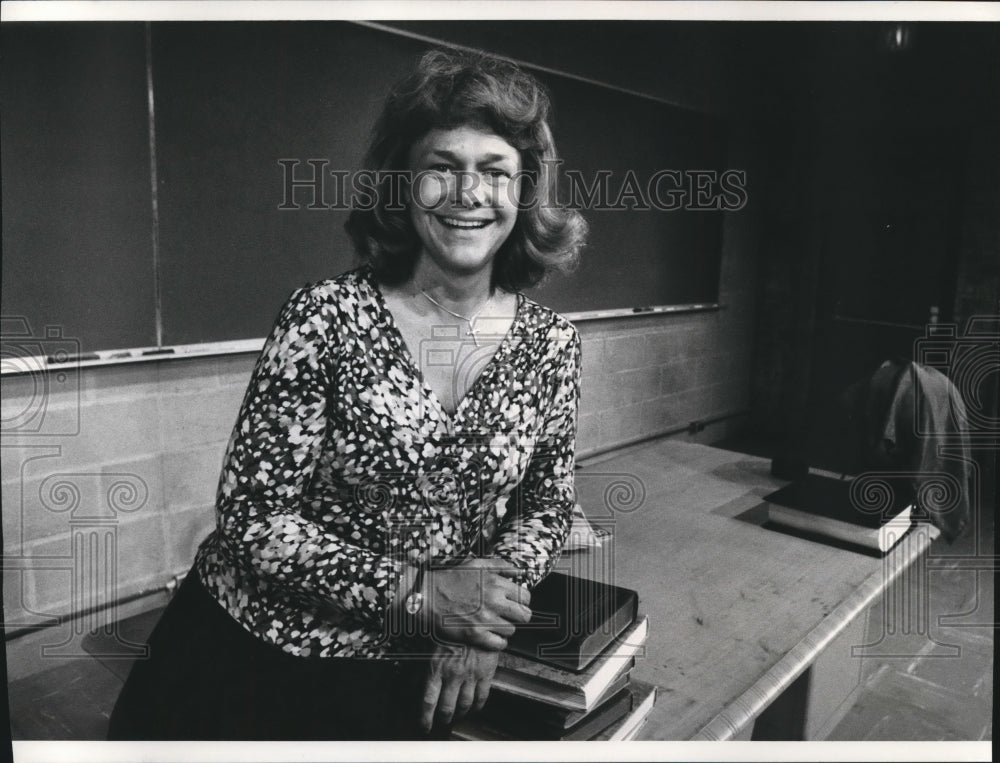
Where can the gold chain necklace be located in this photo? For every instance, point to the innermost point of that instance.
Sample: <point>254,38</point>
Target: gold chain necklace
<point>470,319</point>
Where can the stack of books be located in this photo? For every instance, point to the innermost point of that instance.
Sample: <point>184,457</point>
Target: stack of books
<point>567,673</point>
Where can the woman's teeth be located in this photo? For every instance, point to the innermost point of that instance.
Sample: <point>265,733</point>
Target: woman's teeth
<point>463,224</point>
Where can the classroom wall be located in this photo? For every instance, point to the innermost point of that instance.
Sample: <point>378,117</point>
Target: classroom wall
<point>160,428</point>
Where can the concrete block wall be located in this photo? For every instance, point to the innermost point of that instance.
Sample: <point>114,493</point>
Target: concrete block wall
<point>123,459</point>
<point>647,375</point>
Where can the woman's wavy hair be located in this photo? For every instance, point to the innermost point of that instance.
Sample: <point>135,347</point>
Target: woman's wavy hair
<point>449,89</point>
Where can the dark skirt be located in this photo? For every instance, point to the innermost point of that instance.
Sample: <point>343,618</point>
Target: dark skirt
<point>206,677</point>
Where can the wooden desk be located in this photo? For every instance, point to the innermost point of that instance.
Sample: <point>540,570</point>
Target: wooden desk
<point>737,612</point>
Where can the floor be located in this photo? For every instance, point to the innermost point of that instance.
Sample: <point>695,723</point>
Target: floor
<point>936,684</point>
<point>932,679</point>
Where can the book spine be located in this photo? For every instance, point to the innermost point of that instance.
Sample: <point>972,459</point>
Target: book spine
<point>833,528</point>
<point>644,697</point>
<point>593,645</point>
<point>593,629</point>
<point>551,694</point>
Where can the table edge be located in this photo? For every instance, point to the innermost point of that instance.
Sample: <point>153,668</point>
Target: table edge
<point>735,717</point>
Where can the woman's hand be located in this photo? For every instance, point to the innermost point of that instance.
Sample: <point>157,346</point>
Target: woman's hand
<point>458,680</point>
<point>476,603</point>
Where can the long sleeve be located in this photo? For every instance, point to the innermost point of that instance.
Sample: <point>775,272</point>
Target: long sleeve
<point>538,515</point>
<point>264,521</point>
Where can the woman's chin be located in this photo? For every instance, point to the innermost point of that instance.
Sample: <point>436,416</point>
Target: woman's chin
<point>464,263</point>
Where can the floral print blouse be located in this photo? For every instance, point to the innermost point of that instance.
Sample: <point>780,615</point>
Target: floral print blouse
<point>343,466</point>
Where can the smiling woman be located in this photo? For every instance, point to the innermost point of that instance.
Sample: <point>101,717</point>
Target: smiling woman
<point>362,579</point>
<point>484,99</point>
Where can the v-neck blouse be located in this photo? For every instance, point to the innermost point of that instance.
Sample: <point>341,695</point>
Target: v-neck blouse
<point>406,356</point>
<point>343,467</point>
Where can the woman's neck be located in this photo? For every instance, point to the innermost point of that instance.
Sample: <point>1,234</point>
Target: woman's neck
<point>464,293</point>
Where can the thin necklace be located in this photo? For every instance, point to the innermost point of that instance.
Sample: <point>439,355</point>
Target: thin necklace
<point>470,319</point>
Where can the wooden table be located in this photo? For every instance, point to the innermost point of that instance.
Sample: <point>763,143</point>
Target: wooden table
<point>749,627</point>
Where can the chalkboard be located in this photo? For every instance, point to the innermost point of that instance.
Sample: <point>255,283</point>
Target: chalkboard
<point>232,102</point>
<point>637,257</point>
<point>77,218</point>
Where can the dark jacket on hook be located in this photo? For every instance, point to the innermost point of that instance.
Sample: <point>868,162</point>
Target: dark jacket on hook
<point>909,419</point>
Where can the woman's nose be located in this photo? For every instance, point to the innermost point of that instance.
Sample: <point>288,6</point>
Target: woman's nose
<point>470,189</point>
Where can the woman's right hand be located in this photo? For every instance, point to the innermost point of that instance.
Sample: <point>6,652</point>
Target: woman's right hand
<point>476,603</point>
<point>458,680</point>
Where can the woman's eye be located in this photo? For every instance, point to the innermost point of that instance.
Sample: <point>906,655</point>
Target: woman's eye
<point>497,174</point>
<point>440,168</point>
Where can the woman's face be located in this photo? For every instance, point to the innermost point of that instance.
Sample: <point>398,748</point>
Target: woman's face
<point>463,199</point>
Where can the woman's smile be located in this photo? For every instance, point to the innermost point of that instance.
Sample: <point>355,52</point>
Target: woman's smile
<point>458,223</point>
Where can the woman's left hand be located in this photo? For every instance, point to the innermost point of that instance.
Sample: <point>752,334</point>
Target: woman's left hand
<point>458,681</point>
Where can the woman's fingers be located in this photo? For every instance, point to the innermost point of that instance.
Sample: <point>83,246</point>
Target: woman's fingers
<point>509,600</point>
<point>506,569</point>
<point>457,683</point>
<point>432,691</point>
<point>466,698</point>
<point>512,612</point>
<point>448,700</point>
<point>513,591</point>
<point>487,639</point>
<point>483,613</point>
<point>482,694</point>
<point>500,624</point>
<point>519,593</point>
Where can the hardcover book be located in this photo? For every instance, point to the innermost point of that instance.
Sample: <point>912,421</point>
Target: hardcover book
<point>824,506</point>
<point>643,699</point>
<point>573,620</point>
<point>485,728</point>
<point>534,716</point>
<point>530,678</point>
